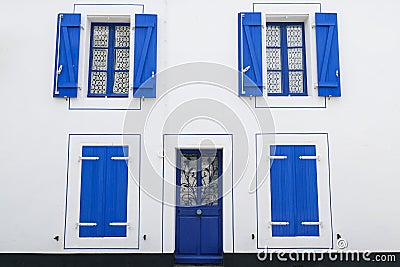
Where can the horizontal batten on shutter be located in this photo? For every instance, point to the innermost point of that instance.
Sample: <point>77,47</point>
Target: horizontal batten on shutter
<point>118,224</point>
<point>277,157</point>
<point>120,158</point>
<point>309,157</point>
<point>88,158</point>
<point>279,223</point>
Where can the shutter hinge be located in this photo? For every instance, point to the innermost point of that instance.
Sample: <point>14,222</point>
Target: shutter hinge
<point>88,158</point>
<point>312,223</point>
<point>316,86</point>
<point>277,157</point>
<point>278,223</point>
<point>313,26</point>
<point>84,224</point>
<point>121,158</point>
<point>152,74</point>
<point>309,157</point>
<point>82,27</point>
<point>128,225</point>
<point>118,224</point>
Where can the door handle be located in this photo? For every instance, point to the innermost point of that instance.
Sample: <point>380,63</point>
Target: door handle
<point>199,212</point>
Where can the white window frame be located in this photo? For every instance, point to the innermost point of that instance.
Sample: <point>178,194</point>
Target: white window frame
<point>108,14</point>
<point>264,217</point>
<point>72,239</point>
<point>293,13</point>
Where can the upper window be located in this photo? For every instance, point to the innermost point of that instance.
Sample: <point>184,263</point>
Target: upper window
<point>286,71</point>
<point>100,62</point>
<point>288,50</point>
<point>109,60</point>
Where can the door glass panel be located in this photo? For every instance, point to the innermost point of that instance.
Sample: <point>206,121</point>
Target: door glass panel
<point>188,188</point>
<point>209,179</point>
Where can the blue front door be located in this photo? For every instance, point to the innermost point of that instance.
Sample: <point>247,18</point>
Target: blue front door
<point>198,237</point>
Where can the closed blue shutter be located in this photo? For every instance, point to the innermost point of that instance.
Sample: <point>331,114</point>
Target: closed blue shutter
<point>306,191</point>
<point>104,190</point>
<point>117,191</point>
<point>294,191</point>
<point>282,191</point>
<point>145,58</point>
<point>92,191</point>
<point>250,54</point>
<point>327,54</point>
<point>67,55</point>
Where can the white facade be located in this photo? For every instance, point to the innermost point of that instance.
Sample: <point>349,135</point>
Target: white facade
<point>197,106</point>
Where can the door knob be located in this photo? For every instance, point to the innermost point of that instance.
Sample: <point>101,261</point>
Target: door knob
<point>199,212</point>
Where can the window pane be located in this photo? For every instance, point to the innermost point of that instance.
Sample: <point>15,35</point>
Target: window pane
<point>99,59</point>
<point>274,82</point>
<point>274,59</point>
<point>188,186</point>
<point>294,36</point>
<point>295,58</point>
<point>98,83</point>
<point>209,179</point>
<point>273,36</point>
<point>121,83</point>
<point>296,82</point>
<point>121,59</point>
<point>122,35</point>
<point>100,36</point>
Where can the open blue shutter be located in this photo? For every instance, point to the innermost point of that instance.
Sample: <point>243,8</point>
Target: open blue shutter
<point>92,191</point>
<point>327,54</point>
<point>67,55</point>
<point>307,218</point>
<point>282,191</point>
<point>116,191</point>
<point>250,54</point>
<point>145,58</point>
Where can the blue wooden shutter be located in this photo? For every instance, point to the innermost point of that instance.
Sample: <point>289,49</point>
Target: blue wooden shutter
<point>145,57</point>
<point>92,191</point>
<point>104,191</point>
<point>116,191</point>
<point>67,55</point>
<point>282,191</point>
<point>327,54</point>
<point>250,54</point>
<point>307,218</point>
